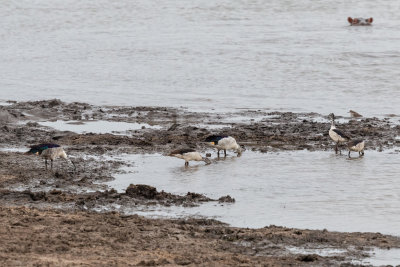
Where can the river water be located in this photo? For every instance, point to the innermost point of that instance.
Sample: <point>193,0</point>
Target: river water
<point>296,55</point>
<point>205,55</point>
<point>301,189</point>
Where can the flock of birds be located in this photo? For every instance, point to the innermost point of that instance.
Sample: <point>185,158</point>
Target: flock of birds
<point>338,136</point>
<point>220,142</point>
<point>54,151</point>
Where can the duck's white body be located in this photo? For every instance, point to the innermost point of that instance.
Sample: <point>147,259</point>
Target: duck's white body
<point>189,155</point>
<point>50,152</point>
<point>54,153</point>
<point>227,143</point>
<point>356,146</point>
<point>335,136</point>
<point>224,143</point>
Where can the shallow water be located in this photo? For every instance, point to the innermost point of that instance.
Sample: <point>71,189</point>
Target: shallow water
<point>381,257</point>
<point>376,256</point>
<point>221,55</point>
<point>99,127</point>
<point>301,189</point>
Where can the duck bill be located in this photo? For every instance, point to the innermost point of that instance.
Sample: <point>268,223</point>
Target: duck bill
<point>207,161</point>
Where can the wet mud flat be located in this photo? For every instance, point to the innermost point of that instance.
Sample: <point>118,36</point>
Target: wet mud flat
<point>41,237</point>
<point>59,207</point>
<point>260,130</point>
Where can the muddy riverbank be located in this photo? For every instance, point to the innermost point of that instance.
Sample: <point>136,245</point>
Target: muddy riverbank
<point>256,129</point>
<point>33,237</point>
<point>62,205</point>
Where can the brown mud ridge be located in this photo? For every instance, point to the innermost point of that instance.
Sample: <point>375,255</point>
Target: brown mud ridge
<point>49,218</point>
<point>134,195</point>
<point>33,237</point>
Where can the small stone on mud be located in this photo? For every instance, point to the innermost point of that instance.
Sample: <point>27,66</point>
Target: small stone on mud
<point>182,261</point>
<point>35,196</point>
<point>308,258</point>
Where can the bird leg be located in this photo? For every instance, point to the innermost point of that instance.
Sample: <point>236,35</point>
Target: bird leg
<point>336,147</point>
<point>218,153</point>
<point>74,165</point>
<point>225,152</point>
<point>51,164</point>
<point>66,159</point>
<point>45,162</point>
<point>349,154</point>
<point>186,163</point>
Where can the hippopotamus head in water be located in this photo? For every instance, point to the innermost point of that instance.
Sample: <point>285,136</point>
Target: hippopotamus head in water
<point>360,21</point>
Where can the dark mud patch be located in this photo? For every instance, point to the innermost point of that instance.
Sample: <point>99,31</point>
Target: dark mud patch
<point>148,192</point>
<point>134,195</point>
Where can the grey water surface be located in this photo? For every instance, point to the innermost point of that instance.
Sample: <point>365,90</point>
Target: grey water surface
<point>301,189</point>
<point>297,55</point>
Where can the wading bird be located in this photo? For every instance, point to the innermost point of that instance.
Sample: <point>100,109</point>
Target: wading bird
<point>50,152</point>
<point>189,154</point>
<point>224,143</point>
<point>355,114</point>
<point>337,135</point>
<point>357,146</point>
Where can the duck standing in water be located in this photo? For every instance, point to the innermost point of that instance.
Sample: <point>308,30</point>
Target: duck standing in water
<point>189,154</point>
<point>224,143</point>
<point>357,146</point>
<point>49,152</point>
<point>337,135</point>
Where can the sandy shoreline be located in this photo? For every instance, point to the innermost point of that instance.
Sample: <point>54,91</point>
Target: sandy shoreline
<point>39,208</point>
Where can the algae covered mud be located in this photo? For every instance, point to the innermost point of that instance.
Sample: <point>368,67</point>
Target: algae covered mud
<point>288,175</point>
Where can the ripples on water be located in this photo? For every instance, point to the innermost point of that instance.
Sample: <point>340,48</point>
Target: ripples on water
<point>291,55</point>
<point>296,189</point>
